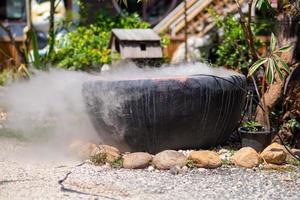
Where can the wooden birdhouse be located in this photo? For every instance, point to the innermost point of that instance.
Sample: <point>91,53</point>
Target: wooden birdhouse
<point>136,44</point>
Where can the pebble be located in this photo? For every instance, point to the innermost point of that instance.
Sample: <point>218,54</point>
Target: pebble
<point>224,157</point>
<point>185,169</point>
<point>150,169</point>
<point>3,116</point>
<point>234,169</point>
<point>107,166</point>
<point>222,151</point>
<point>185,152</point>
<point>287,178</point>
<point>175,170</point>
<point>202,169</point>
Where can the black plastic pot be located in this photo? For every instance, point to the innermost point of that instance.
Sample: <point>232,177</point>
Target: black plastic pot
<point>258,140</point>
<point>154,114</point>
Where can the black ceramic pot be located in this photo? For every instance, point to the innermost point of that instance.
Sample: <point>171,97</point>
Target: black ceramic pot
<point>165,113</point>
<point>258,140</point>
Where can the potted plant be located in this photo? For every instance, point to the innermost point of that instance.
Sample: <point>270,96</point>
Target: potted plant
<point>255,135</point>
<point>258,133</point>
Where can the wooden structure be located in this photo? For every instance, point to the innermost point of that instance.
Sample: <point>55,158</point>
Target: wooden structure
<point>8,54</point>
<point>136,44</point>
<point>199,20</point>
<point>151,11</point>
<point>12,15</point>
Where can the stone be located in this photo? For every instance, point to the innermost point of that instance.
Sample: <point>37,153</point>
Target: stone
<point>224,157</point>
<point>296,152</point>
<point>137,160</point>
<point>3,116</point>
<point>94,150</point>
<point>169,158</point>
<point>83,149</point>
<point>112,153</point>
<point>185,152</point>
<point>150,169</point>
<point>246,157</point>
<point>223,151</point>
<point>202,170</point>
<point>289,157</point>
<point>175,170</point>
<point>274,154</point>
<point>206,159</point>
<point>184,169</point>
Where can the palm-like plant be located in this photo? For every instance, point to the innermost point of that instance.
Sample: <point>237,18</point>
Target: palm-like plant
<point>273,63</point>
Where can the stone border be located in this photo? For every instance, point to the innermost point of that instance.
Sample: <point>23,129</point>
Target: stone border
<point>273,157</point>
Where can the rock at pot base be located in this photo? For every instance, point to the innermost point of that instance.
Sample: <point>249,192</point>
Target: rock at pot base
<point>206,159</point>
<point>169,158</point>
<point>246,157</point>
<point>137,160</point>
<point>274,154</point>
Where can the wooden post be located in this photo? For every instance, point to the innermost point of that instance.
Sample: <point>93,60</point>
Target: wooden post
<point>51,27</point>
<point>185,32</point>
<point>28,14</point>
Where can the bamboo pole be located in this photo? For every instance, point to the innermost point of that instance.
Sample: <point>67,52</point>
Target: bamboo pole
<point>28,14</point>
<point>185,32</point>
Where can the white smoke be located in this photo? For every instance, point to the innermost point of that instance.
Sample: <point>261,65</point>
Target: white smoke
<point>49,106</point>
<point>130,71</point>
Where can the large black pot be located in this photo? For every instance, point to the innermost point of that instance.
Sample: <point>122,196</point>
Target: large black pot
<point>165,113</point>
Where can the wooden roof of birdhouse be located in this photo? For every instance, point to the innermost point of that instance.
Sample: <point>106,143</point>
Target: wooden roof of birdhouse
<point>135,43</point>
<point>135,35</point>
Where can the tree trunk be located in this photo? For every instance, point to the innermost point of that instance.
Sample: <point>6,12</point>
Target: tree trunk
<point>272,97</point>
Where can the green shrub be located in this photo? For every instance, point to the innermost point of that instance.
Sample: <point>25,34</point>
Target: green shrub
<point>86,48</point>
<point>232,51</point>
<point>190,163</point>
<point>98,159</point>
<point>117,163</point>
<point>4,77</point>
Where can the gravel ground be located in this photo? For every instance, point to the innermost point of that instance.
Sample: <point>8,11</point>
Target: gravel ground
<point>22,177</point>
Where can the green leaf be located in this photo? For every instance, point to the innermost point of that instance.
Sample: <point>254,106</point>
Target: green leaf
<point>35,49</point>
<point>270,71</point>
<point>284,66</point>
<point>284,49</point>
<point>26,55</point>
<point>256,65</point>
<point>273,42</point>
<point>125,2</point>
<point>278,70</point>
<point>259,4</point>
<point>263,5</point>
